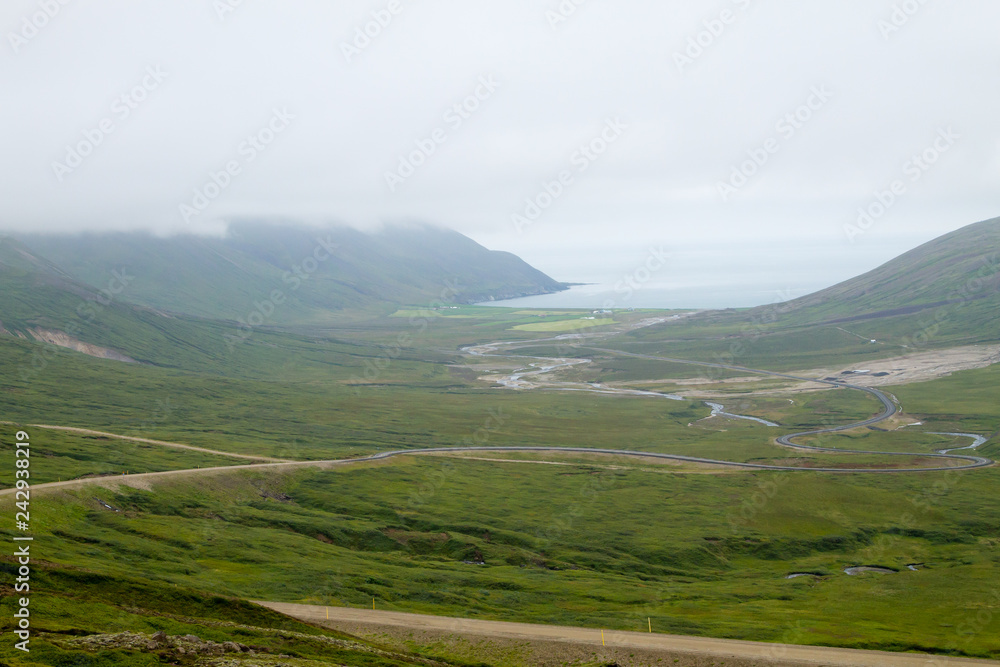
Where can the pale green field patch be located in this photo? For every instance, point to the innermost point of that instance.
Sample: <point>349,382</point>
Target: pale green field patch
<point>564,325</point>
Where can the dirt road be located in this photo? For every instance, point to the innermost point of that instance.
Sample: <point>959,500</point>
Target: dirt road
<point>727,650</point>
<point>143,480</point>
<point>160,443</point>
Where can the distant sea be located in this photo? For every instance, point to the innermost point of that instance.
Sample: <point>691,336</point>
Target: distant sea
<point>618,296</point>
<point>723,274</point>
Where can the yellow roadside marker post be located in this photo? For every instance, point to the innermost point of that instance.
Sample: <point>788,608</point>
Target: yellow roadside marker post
<point>373,604</point>
<point>602,638</point>
<point>650,623</point>
<point>328,613</point>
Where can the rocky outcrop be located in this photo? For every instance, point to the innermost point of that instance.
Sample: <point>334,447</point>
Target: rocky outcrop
<point>161,641</point>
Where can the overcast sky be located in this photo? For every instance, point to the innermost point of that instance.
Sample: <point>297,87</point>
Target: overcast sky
<point>729,133</point>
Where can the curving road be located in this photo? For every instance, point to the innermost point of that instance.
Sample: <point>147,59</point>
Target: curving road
<point>889,408</point>
<point>716,648</point>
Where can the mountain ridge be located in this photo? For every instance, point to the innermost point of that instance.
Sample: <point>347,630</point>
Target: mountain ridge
<point>323,271</point>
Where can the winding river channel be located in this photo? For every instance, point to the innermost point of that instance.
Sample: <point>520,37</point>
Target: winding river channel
<point>535,373</point>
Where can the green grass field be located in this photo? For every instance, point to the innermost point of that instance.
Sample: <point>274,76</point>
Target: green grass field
<point>69,604</point>
<point>63,456</point>
<point>566,325</point>
<point>697,553</point>
<point>600,542</point>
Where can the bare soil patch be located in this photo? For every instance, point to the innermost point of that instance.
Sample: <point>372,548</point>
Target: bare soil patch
<point>915,367</point>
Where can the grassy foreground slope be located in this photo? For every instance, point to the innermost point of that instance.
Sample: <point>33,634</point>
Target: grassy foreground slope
<point>86,619</point>
<point>588,544</point>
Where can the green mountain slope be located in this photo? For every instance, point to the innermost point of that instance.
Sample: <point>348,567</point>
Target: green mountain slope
<point>961,266</point>
<point>294,275</point>
<point>943,293</point>
<point>40,304</point>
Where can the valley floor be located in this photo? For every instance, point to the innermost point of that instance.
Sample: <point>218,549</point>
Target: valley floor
<point>582,541</point>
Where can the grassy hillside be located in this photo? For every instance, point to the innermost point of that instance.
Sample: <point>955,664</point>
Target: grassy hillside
<point>942,294</point>
<point>38,300</point>
<point>32,302</point>
<point>604,543</point>
<point>962,265</point>
<point>321,274</point>
<point>82,618</point>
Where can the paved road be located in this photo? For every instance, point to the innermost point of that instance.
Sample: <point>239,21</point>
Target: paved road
<point>722,649</point>
<point>140,478</point>
<point>706,646</point>
<point>889,408</point>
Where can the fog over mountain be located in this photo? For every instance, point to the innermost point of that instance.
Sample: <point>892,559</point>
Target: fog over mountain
<point>777,147</point>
